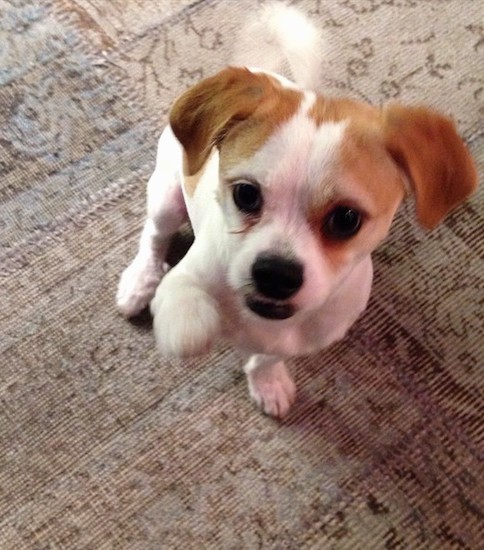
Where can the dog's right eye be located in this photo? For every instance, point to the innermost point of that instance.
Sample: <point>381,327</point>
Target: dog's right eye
<point>247,197</point>
<point>342,223</point>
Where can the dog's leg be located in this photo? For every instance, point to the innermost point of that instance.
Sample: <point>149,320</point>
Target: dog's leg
<point>270,384</point>
<point>139,280</point>
<point>185,313</point>
<point>166,213</point>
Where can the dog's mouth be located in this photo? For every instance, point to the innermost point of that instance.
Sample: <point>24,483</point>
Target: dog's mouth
<point>268,309</point>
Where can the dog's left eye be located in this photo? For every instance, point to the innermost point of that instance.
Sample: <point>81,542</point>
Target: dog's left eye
<point>247,197</point>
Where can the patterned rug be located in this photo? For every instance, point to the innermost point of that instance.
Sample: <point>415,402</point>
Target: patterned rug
<point>104,444</point>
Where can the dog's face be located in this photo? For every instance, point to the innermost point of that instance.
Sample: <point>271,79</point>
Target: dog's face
<point>308,205</point>
<point>308,185</point>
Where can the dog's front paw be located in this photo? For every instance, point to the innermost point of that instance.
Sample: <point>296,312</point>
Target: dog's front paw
<point>185,318</point>
<point>272,389</point>
<point>137,286</point>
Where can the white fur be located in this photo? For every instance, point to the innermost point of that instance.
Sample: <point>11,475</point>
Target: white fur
<point>166,213</point>
<point>279,33</point>
<point>203,297</point>
<point>270,384</point>
<point>186,317</point>
<point>289,163</point>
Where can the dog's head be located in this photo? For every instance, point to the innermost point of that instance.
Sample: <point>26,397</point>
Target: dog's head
<point>309,185</point>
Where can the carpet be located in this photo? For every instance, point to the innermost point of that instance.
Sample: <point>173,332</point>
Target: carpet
<point>104,444</point>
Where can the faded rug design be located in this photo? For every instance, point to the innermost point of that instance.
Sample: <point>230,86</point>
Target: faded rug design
<point>106,445</point>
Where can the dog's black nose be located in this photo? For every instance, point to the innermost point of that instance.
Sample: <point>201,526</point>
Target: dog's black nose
<point>277,277</point>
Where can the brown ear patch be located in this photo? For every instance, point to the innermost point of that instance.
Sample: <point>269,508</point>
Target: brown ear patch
<point>203,116</point>
<point>430,152</point>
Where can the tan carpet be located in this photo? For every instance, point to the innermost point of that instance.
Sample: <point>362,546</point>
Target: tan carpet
<point>105,445</point>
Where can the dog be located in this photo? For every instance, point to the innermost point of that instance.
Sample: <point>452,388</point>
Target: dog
<point>288,192</point>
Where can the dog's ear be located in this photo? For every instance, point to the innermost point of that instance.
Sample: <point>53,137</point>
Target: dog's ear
<point>428,149</point>
<point>205,113</point>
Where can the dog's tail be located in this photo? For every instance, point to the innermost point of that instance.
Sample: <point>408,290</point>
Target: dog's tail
<point>280,37</point>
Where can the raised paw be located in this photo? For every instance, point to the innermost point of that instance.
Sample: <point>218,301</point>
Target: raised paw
<point>185,318</point>
<point>137,286</point>
<point>272,389</point>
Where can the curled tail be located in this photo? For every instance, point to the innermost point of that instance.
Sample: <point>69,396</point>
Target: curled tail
<point>280,37</point>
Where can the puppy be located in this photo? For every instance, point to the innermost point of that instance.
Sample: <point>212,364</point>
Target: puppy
<point>288,192</point>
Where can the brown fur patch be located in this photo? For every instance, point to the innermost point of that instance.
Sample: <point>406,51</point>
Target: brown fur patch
<point>247,137</point>
<point>327,109</point>
<point>237,110</point>
<point>427,147</point>
<point>215,108</point>
<point>364,163</point>
<point>424,144</point>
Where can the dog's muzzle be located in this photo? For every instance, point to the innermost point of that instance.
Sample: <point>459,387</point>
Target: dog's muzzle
<point>276,279</point>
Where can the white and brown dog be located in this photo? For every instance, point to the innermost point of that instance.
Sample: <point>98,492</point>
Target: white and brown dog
<point>288,192</point>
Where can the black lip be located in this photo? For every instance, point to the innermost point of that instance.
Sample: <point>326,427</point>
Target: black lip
<point>269,310</point>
